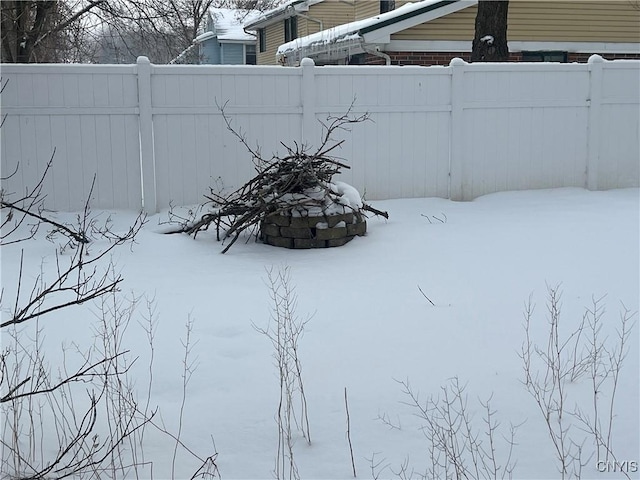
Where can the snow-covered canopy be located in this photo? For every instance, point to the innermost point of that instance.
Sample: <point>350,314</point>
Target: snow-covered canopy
<point>355,37</point>
<point>341,33</point>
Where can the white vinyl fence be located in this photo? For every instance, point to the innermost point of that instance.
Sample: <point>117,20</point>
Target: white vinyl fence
<point>151,135</point>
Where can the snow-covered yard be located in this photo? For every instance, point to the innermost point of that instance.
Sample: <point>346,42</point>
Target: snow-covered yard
<point>436,292</point>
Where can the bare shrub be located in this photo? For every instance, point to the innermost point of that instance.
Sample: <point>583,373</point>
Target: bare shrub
<point>78,417</point>
<point>43,408</point>
<point>284,331</point>
<point>457,447</point>
<point>567,359</point>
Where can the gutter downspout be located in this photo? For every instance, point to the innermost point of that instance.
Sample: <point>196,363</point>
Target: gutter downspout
<point>376,52</point>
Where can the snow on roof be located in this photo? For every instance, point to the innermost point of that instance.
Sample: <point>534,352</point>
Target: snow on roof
<point>274,11</point>
<point>298,5</point>
<point>228,23</point>
<point>350,31</point>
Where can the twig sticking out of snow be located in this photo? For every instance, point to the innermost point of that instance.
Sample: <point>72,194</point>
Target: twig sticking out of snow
<point>346,407</point>
<point>425,296</point>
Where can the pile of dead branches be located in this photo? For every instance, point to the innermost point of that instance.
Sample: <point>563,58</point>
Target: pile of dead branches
<point>301,180</point>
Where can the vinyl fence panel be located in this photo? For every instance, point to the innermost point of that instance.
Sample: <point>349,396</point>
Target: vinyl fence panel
<point>524,125</point>
<point>194,148</point>
<point>618,159</point>
<point>156,135</point>
<point>86,118</point>
<point>403,149</point>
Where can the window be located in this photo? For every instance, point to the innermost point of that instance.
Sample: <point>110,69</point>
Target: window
<point>250,54</point>
<point>387,5</point>
<point>359,59</point>
<point>262,40</point>
<point>290,29</point>
<point>544,57</point>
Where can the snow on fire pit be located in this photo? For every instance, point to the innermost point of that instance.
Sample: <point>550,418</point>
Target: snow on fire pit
<point>328,221</point>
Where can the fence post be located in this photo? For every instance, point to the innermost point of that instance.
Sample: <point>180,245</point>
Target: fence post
<point>308,101</point>
<point>595,63</point>
<point>456,144</point>
<point>147,158</point>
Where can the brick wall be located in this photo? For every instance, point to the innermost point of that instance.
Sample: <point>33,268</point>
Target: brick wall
<point>444,58</point>
<point>418,58</point>
<point>583,57</point>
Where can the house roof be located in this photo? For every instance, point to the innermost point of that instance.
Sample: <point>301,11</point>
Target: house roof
<point>373,30</point>
<point>228,24</point>
<point>285,10</point>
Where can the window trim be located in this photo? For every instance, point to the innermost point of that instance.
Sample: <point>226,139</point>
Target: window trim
<point>255,54</point>
<point>290,28</point>
<point>387,6</point>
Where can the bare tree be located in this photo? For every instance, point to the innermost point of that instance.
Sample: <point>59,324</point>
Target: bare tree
<point>158,29</point>
<point>85,30</point>
<point>260,5</point>
<point>101,31</point>
<point>490,41</point>
<point>44,31</point>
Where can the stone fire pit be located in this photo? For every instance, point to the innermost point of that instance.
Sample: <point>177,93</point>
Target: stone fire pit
<point>288,231</point>
<point>316,219</point>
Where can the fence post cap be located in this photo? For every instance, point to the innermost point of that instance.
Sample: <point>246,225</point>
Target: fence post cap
<point>307,62</point>
<point>143,59</point>
<point>595,58</point>
<point>457,61</point>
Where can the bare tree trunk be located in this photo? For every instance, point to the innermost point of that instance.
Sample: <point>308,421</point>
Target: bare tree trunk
<point>43,31</point>
<point>22,23</point>
<point>490,42</point>
<point>103,30</point>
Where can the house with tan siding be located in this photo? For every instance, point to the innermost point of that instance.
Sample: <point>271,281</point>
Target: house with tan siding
<point>301,18</point>
<point>432,32</point>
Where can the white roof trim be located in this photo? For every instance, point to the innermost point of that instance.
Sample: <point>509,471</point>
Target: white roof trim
<point>383,35</point>
<point>516,46</point>
<point>576,47</point>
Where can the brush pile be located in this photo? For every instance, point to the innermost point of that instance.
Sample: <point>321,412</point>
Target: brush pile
<point>299,184</point>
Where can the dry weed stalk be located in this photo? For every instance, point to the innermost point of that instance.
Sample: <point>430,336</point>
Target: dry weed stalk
<point>284,331</point>
<point>548,371</point>
<point>456,447</point>
<point>346,407</point>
